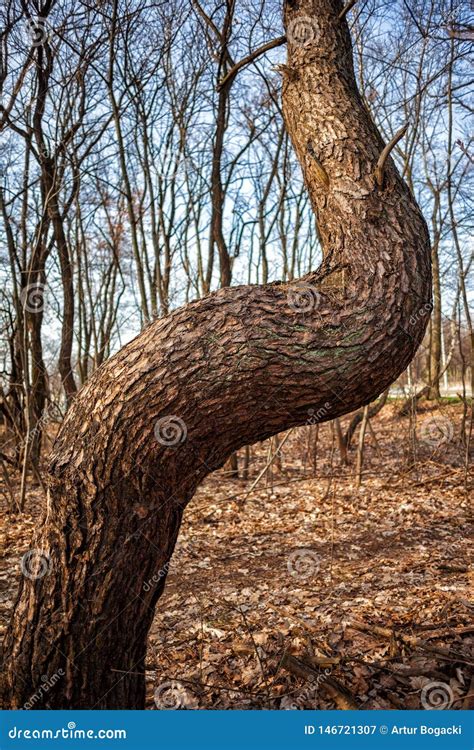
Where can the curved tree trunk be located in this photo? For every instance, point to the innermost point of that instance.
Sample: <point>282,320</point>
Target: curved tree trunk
<point>236,367</point>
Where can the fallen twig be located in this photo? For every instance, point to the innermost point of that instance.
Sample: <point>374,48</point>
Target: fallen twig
<point>341,696</point>
<point>410,640</point>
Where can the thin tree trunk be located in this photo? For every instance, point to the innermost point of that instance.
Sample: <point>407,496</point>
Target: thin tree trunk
<point>357,418</point>
<point>218,193</point>
<point>315,449</point>
<point>235,367</point>
<point>436,323</point>
<point>233,466</point>
<point>67,329</point>
<point>246,463</point>
<point>360,447</point>
<point>341,442</point>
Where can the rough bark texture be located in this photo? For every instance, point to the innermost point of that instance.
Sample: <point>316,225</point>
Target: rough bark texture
<point>238,366</point>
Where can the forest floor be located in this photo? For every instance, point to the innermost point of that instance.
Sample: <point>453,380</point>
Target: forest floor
<point>306,591</point>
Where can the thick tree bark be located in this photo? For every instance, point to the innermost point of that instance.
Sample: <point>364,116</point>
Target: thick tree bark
<point>236,367</point>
